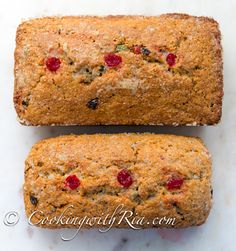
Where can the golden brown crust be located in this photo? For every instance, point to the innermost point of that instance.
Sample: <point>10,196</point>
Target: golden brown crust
<point>96,160</point>
<point>143,90</point>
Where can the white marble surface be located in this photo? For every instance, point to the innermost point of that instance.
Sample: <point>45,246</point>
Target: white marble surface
<point>15,140</point>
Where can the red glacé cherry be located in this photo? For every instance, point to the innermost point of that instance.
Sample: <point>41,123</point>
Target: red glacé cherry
<point>170,59</point>
<point>124,178</point>
<point>72,182</point>
<point>53,63</point>
<point>112,60</point>
<point>174,183</point>
<point>137,49</point>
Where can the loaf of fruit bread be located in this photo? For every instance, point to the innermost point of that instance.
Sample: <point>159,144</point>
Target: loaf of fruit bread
<point>164,179</point>
<point>126,70</point>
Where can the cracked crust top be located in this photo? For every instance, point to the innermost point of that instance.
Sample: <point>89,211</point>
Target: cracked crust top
<point>96,160</point>
<point>142,90</point>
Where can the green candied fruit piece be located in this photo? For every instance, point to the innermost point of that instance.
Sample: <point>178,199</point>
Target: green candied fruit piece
<point>121,47</point>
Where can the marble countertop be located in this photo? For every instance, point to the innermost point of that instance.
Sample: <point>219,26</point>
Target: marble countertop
<point>15,141</point>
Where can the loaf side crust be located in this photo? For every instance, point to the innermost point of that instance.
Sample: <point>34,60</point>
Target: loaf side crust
<point>96,159</point>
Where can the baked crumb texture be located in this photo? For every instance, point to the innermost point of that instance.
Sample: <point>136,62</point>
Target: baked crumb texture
<point>167,70</point>
<point>151,160</point>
